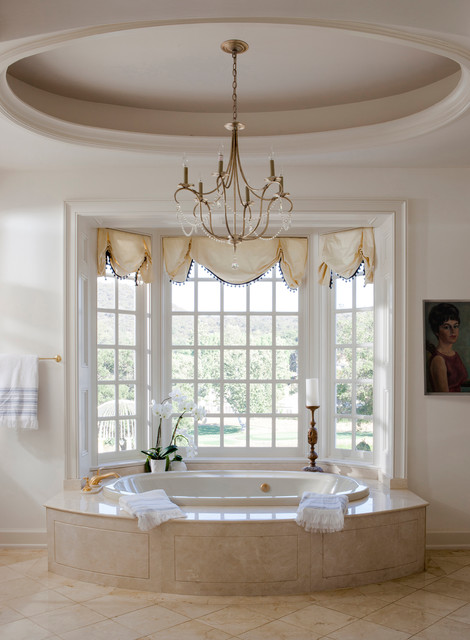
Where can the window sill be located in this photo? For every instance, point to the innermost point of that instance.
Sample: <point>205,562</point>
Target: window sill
<point>354,469</point>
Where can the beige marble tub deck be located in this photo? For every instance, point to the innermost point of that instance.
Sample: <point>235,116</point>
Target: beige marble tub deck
<point>236,550</point>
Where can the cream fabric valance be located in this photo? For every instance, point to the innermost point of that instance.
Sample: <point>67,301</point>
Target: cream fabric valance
<point>126,252</point>
<point>343,252</point>
<point>254,257</point>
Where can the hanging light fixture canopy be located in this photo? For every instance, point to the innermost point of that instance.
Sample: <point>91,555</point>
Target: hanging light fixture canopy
<point>234,211</point>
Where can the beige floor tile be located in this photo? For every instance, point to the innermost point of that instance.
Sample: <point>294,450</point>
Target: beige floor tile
<point>7,573</point>
<point>31,566</point>
<point>105,630</point>
<point>39,602</point>
<point>83,591</point>
<point>7,614</point>
<point>275,610</point>
<point>12,555</point>
<point>364,630</point>
<point>23,630</point>
<point>462,574</point>
<point>192,630</point>
<point>417,580</point>
<point>112,604</point>
<point>446,629</point>
<point>388,591</point>
<point>318,619</point>
<point>436,568</point>
<point>191,609</point>
<point>462,614</point>
<point>67,618</point>
<point>235,619</point>
<point>403,619</point>
<point>350,601</point>
<point>150,619</point>
<point>278,630</point>
<point>450,565</point>
<point>450,587</point>
<point>19,587</point>
<point>439,605</point>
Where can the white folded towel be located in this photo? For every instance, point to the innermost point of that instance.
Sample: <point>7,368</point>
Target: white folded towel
<point>322,513</point>
<point>151,508</point>
<point>19,391</point>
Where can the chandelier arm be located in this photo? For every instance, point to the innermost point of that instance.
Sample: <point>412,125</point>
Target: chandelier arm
<point>183,219</point>
<point>231,236</point>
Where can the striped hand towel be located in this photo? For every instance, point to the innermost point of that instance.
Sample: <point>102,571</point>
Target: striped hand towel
<point>322,513</point>
<point>19,391</point>
<point>151,508</point>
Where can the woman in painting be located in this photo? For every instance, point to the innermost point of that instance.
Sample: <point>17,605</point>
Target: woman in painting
<point>446,371</point>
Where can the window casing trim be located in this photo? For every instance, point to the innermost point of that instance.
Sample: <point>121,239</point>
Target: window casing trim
<point>310,215</point>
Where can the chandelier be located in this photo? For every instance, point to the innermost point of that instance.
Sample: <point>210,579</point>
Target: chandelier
<point>234,211</point>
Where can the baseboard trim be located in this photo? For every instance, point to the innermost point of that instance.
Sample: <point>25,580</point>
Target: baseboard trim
<point>23,538</point>
<point>448,540</point>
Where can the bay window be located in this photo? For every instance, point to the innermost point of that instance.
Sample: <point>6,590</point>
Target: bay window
<point>242,352</point>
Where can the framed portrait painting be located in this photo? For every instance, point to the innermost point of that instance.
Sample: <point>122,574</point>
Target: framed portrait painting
<point>446,346</point>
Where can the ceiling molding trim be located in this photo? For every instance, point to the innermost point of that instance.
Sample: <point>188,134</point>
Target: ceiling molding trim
<point>291,145</point>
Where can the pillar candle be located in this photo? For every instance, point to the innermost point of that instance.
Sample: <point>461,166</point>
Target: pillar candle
<point>312,394</point>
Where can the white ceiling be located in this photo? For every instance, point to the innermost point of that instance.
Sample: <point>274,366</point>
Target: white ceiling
<point>182,68</point>
<point>382,92</point>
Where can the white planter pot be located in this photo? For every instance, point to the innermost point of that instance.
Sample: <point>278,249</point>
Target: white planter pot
<point>178,465</point>
<point>157,466</point>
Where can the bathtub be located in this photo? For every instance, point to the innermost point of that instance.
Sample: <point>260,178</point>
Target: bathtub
<point>236,538</point>
<point>236,488</point>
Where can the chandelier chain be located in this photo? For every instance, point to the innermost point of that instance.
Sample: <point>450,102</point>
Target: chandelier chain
<point>234,86</point>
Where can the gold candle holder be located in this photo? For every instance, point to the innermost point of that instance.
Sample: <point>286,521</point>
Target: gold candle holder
<point>312,440</point>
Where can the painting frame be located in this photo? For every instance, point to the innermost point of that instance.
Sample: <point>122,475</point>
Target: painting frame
<point>446,323</point>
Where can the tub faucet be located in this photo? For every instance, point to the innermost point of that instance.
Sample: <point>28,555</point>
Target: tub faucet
<point>94,481</point>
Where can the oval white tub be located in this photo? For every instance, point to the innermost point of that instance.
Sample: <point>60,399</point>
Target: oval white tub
<point>235,488</point>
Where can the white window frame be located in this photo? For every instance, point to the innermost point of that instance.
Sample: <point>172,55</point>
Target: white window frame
<point>312,216</point>
<point>334,452</point>
<point>248,452</point>
<point>140,381</point>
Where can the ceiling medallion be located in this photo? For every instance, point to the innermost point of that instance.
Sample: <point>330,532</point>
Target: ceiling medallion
<point>229,213</point>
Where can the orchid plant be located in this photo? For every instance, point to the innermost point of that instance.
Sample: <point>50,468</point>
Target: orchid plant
<point>176,403</point>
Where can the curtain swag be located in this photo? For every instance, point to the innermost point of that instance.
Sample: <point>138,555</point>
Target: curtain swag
<point>254,258</point>
<point>126,253</point>
<point>343,252</point>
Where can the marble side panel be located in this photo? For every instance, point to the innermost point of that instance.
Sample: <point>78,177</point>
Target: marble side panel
<point>102,550</point>
<point>236,559</point>
<point>242,559</point>
<point>356,551</point>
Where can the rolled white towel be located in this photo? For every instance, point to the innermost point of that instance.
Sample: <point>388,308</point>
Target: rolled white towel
<point>322,513</point>
<point>151,508</point>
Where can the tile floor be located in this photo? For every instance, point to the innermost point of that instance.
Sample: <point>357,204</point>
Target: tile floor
<point>38,605</point>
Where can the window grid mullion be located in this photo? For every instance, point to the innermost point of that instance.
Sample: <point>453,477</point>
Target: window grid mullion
<point>221,365</point>
<point>354,368</point>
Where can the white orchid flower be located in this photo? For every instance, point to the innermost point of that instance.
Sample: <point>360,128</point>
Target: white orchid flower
<point>177,395</point>
<point>186,405</point>
<point>157,408</point>
<point>167,410</point>
<point>199,413</point>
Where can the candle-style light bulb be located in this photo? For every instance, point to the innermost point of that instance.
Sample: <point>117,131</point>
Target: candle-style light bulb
<point>185,168</point>
<point>271,164</point>
<point>221,159</point>
<point>247,195</point>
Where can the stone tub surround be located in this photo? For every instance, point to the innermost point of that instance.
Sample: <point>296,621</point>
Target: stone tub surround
<point>236,550</point>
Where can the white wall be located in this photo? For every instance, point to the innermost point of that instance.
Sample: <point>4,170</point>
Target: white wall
<point>31,320</point>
